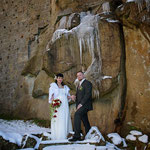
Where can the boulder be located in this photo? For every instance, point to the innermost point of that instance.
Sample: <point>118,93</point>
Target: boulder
<point>33,66</point>
<point>41,84</point>
<point>6,145</point>
<point>95,135</point>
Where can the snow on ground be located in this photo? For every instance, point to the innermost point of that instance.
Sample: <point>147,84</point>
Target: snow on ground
<point>14,130</point>
<point>81,147</point>
<point>12,137</point>
<point>71,147</point>
<point>21,127</point>
<point>65,141</point>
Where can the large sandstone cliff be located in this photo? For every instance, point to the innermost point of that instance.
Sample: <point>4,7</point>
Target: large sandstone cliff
<point>135,18</point>
<point>109,40</point>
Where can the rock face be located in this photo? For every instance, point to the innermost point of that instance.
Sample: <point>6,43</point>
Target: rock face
<point>137,41</point>
<point>138,78</point>
<point>49,37</point>
<point>94,46</point>
<point>21,25</point>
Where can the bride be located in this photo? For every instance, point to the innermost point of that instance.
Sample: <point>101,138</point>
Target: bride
<point>60,125</point>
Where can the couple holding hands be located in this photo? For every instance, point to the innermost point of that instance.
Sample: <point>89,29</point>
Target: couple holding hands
<point>61,125</point>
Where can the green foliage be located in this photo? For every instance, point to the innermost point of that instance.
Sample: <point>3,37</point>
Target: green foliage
<point>134,128</point>
<point>8,117</point>
<point>41,123</point>
<point>52,110</point>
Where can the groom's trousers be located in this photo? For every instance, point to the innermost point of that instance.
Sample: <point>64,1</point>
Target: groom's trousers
<point>81,115</point>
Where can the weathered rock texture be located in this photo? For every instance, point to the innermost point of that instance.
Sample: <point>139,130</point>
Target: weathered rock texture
<point>137,41</point>
<point>22,22</point>
<point>41,38</point>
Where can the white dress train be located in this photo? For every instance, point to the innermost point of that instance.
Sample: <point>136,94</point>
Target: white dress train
<point>61,125</point>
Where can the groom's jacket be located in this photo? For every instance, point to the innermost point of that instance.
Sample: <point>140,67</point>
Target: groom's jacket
<point>84,95</point>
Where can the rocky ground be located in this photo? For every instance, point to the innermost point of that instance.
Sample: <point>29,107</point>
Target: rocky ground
<point>108,39</point>
<point>19,134</point>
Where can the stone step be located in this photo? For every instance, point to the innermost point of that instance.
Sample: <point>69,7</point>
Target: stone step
<point>77,147</point>
<point>46,143</point>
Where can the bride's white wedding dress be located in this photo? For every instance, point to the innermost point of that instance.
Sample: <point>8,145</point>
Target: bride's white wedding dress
<point>61,125</point>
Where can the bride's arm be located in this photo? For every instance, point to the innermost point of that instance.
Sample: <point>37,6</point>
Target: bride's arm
<point>69,96</point>
<point>51,94</point>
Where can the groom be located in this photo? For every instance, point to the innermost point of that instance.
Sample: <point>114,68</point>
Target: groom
<point>83,105</point>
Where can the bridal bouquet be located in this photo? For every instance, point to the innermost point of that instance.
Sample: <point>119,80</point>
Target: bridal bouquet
<point>56,103</point>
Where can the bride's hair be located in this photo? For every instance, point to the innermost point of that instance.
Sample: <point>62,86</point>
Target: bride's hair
<point>60,75</point>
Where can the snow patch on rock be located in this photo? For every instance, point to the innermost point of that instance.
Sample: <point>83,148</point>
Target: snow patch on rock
<point>143,138</point>
<point>94,134</point>
<point>115,137</point>
<point>131,137</point>
<point>135,132</point>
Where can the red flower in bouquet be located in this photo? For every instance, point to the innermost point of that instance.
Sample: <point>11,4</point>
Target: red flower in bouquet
<point>56,103</point>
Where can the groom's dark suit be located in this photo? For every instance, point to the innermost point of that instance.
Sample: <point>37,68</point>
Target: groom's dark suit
<point>83,97</point>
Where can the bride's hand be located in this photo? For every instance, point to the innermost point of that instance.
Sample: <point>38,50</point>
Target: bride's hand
<point>52,98</point>
<point>69,97</point>
<point>73,97</point>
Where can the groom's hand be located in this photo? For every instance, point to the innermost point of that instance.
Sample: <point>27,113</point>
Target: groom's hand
<point>79,106</point>
<point>73,97</point>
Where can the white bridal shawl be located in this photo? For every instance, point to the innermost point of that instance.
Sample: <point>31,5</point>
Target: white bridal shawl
<point>54,89</point>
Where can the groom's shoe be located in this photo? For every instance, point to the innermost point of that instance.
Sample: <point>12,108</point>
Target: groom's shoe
<point>75,139</point>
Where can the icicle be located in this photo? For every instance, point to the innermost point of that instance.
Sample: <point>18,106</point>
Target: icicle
<point>87,34</point>
<point>80,45</point>
<point>96,93</point>
<point>147,5</point>
<point>58,33</point>
<point>106,7</point>
<point>140,3</point>
<point>82,15</point>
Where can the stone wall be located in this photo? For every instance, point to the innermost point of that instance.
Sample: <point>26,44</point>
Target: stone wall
<point>21,24</point>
